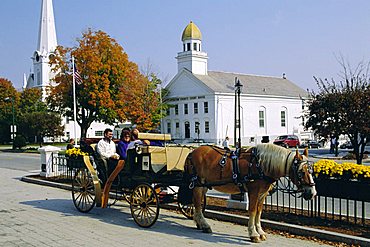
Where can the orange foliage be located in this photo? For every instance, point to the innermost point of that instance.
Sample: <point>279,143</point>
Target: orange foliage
<point>111,87</point>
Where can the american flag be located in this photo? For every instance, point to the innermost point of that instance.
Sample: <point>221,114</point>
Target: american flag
<point>77,76</point>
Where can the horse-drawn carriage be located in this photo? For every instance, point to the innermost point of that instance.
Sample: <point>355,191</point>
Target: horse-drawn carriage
<point>149,169</point>
<point>151,175</point>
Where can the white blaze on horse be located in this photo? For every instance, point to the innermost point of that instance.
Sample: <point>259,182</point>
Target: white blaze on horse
<point>253,170</point>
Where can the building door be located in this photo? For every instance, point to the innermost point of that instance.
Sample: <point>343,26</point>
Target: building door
<point>187,130</point>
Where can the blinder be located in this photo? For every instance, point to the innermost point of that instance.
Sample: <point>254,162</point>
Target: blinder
<point>299,170</point>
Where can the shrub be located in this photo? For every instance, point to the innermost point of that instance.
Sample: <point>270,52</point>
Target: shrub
<point>19,142</point>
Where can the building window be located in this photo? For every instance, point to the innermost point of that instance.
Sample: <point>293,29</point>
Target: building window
<point>186,109</point>
<point>195,46</point>
<point>38,77</point>
<point>168,112</point>
<point>169,128</point>
<point>261,117</point>
<point>177,128</point>
<point>184,47</point>
<point>196,127</point>
<point>99,133</point>
<point>195,108</point>
<point>188,46</point>
<point>205,107</point>
<point>206,127</point>
<point>176,109</point>
<point>283,115</point>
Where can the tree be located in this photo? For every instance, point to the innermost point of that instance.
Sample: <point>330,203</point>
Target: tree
<point>31,101</point>
<point>343,108</point>
<point>40,124</point>
<point>150,107</point>
<point>7,94</point>
<point>34,120</point>
<point>108,81</point>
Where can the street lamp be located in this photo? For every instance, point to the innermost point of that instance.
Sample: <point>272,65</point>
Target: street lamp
<point>238,87</point>
<point>12,129</point>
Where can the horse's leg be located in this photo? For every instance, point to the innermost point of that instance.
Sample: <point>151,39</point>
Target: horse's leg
<point>198,194</point>
<point>262,195</point>
<point>252,210</point>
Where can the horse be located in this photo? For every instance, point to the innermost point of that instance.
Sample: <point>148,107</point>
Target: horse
<point>252,170</point>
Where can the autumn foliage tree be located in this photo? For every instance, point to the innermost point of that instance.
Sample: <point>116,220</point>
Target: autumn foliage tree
<point>343,107</point>
<point>110,83</point>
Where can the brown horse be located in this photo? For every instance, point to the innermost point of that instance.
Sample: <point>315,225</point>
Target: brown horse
<point>256,169</point>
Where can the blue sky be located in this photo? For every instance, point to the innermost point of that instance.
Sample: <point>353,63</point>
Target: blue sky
<point>298,38</point>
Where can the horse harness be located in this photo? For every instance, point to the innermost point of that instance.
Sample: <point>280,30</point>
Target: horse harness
<point>237,179</point>
<point>251,176</point>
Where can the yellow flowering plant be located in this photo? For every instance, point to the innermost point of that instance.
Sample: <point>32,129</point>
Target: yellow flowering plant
<point>75,153</point>
<point>330,169</point>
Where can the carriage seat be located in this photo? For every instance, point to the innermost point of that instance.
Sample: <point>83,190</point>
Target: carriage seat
<point>171,156</point>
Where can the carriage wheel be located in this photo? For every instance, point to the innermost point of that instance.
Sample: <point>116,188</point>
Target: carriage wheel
<point>83,191</point>
<point>127,197</point>
<point>188,209</point>
<point>144,205</point>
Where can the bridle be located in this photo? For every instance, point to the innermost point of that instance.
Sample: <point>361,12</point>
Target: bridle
<point>298,171</point>
<point>299,168</point>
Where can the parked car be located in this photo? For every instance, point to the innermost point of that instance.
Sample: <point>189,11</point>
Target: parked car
<point>310,144</point>
<point>287,141</point>
<point>346,145</point>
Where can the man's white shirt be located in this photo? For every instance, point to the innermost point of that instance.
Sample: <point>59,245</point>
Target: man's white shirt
<point>106,149</point>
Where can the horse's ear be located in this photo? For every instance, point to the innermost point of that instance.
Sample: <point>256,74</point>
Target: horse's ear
<point>305,152</point>
<point>296,153</point>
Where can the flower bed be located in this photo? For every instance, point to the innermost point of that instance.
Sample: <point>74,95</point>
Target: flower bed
<point>346,171</point>
<point>347,180</point>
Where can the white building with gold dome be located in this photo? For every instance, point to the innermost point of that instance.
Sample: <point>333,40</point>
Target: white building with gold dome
<point>270,106</point>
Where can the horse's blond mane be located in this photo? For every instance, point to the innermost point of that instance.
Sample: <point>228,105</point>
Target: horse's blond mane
<point>273,159</point>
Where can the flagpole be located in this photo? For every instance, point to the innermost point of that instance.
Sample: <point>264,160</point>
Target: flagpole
<point>74,100</point>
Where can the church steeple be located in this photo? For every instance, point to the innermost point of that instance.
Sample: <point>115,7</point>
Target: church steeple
<point>47,42</point>
<point>47,35</point>
<point>192,57</point>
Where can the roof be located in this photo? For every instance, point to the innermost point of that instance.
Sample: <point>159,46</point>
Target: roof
<point>191,31</point>
<point>223,82</point>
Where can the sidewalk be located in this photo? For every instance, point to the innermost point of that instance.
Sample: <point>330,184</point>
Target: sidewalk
<point>33,215</point>
<point>290,228</point>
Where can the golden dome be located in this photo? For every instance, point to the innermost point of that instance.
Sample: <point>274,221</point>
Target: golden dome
<point>191,32</point>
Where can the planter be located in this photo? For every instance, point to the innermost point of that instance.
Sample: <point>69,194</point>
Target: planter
<point>345,189</point>
<point>75,162</point>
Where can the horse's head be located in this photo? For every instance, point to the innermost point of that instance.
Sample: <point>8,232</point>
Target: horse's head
<point>301,175</point>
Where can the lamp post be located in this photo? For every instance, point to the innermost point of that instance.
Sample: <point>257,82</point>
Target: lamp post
<point>12,129</point>
<point>237,138</point>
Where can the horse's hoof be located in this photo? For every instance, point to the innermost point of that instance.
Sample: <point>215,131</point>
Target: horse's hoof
<point>255,239</point>
<point>207,230</point>
<point>263,237</point>
<point>198,227</point>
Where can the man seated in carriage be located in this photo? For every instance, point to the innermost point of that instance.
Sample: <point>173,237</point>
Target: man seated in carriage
<point>106,149</point>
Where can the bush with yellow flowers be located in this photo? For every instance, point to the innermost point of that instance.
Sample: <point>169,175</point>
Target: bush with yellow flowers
<point>348,171</point>
<point>75,153</point>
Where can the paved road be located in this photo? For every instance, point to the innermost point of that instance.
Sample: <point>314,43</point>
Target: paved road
<point>20,161</point>
<point>33,215</point>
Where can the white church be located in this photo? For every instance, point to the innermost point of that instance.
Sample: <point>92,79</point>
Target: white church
<point>270,106</point>
<point>41,75</point>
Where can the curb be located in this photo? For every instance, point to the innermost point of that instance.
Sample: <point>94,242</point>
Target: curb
<point>243,220</point>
